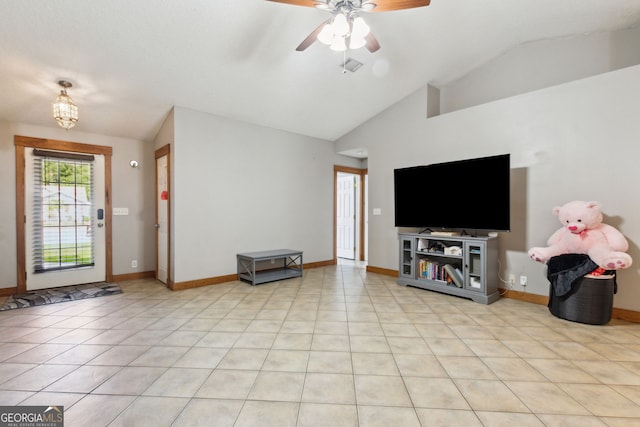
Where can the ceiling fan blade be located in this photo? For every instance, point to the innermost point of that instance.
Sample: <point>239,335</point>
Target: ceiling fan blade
<point>311,37</point>
<point>307,3</point>
<point>371,43</point>
<point>388,5</point>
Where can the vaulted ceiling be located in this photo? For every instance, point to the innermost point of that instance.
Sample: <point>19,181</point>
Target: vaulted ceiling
<point>131,61</point>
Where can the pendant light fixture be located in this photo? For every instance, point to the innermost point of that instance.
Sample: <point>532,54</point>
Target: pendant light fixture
<point>64,110</point>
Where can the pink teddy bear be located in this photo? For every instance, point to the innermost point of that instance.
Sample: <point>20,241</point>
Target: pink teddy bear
<point>584,233</point>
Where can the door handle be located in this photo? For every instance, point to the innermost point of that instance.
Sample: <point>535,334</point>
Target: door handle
<point>156,225</point>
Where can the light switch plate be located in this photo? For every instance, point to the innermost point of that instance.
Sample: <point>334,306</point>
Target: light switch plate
<point>377,211</point>
<point>121,211</point>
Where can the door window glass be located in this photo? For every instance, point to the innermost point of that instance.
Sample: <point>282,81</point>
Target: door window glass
<point>63,203</point>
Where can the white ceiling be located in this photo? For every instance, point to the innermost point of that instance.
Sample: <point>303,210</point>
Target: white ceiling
<point>131,61</point>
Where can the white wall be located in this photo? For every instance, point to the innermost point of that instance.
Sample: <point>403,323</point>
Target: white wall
<point>132,188</point>
<point>242,188</point>
<point>133,234</point>
<point>8,259</point>
<point>578,140</point>
<point>541,64</point>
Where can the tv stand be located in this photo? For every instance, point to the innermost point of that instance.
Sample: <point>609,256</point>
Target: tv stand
<point>464,266</point>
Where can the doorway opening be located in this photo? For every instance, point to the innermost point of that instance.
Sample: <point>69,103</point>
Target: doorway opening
<point>350,213</point>
<point>163,215</point>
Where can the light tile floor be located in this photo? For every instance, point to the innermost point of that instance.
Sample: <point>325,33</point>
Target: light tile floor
<point>338,347</point>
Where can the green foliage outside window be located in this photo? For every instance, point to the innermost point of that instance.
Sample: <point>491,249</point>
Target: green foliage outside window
<point>66,208</point>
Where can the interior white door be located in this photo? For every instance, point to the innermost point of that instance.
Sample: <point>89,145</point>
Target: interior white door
<point>64,221</point>
<point>162,218</point>
<point>346,216</point>
<point>365,213</point>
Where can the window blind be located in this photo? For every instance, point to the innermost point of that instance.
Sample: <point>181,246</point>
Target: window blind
<point>62,211</point>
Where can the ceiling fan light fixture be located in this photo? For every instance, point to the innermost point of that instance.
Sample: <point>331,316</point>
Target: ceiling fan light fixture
<point>367,6</point>
<point>339,44</point>
<point>356,42</point>
<point>344,30</point>
<point>359,29</point>
<point>64,110</point>
<point>326,35</point>
<point>340,25</point>
<point>345,22</point>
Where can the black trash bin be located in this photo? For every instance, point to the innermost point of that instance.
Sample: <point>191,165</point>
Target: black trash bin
<point>589,301</point>
<point>578,297</point>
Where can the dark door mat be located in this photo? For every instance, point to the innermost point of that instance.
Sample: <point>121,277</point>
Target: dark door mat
<point>63,294</point>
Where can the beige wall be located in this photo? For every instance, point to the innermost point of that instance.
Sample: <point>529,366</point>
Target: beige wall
<point>8,259</point>
<point>540,64</point>
<point>239,187</point>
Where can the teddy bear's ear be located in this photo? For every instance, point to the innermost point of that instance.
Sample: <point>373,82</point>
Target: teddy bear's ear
<point>594,205</point>
<point>556,210</point>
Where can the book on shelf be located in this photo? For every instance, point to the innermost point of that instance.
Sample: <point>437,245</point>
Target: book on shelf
<point>447,273</point>
<point>455,274</point>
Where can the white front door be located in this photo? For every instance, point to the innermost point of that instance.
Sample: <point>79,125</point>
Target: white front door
<point>346,216</point>
<point>64,219</point>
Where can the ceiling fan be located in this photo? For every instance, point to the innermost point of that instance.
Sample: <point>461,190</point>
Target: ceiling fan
<point>345,29</point>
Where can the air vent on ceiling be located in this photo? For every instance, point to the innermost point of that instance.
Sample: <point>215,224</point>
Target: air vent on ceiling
<point>350,64</point>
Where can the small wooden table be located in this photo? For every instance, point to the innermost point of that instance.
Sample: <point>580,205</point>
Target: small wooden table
<point>268,266</point>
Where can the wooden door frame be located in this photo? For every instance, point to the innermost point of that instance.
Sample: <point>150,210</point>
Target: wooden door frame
<point>164,151</point>
<point>22,142</point>
<point>361,174</point>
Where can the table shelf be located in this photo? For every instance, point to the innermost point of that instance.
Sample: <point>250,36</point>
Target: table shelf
<point>283,264</point>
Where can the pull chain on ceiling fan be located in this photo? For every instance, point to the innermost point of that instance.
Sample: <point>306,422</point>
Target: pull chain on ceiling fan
<point>346,29</point>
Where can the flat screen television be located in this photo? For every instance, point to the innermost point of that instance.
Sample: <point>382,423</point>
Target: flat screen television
<point>468,195</point>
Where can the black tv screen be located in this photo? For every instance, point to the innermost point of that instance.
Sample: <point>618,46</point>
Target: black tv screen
<point>466,195</point>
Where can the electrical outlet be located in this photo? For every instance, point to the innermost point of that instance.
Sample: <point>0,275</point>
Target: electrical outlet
<point>523,280</point>
<point>134,263</point>
<point>512,279</point>
<point>273,261</point>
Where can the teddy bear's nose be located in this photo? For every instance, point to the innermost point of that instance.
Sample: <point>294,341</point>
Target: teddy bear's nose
<point>573,228</point>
